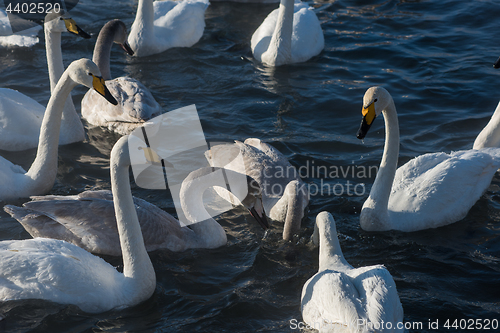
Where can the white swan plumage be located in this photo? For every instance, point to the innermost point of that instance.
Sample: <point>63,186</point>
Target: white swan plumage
<point>21,116</point>
<point>39,179</point>
<point>25,38</point>
<point>57,271</point>
<point>341,298</point>
<point>290,34</point>
<point>136,104</point>
<point>284,195</point>
<point>161,25</point>
<point>429,191</point>
<point>88,220</point>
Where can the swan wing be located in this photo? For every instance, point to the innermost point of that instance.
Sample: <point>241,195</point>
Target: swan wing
<point>307,36</point>
<point>136,105</point>
<point>25,38</point>
<point>330,302</point>
<point>20,120</point>
<point>57,271</point>
<point>377,290</point>
<point>88,220</point>
<point>179,24</point>
<point>433,190</point>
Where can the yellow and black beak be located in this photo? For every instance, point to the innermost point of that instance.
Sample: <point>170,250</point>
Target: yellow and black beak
<point>127,48</point>
<point>100,87</point>
<point>74,29</point>
<point>496,65</point>
<point>368,118</point>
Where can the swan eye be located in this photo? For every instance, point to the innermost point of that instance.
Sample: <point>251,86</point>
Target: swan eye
<point>376,99</point>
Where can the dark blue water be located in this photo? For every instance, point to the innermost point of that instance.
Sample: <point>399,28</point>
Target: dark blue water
<point>434,57</point>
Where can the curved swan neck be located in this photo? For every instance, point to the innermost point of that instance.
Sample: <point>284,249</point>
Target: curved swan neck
<point>102,51</point>
<point>330,253</point>
<point>381,189</point>
<point>490,135</point>
<point>136,262</point>
<point>280,46</point>
<point>44,168</point>
<point>191,197</point>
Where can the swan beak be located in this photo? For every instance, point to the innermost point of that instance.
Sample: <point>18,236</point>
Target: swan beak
<point>127,48</point>
<point>74,29</point>
<point>100,87</point>
<point>368,118</point>
<point>496,65</point>
<point>261,218</point>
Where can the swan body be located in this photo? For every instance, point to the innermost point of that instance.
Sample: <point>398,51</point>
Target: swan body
<point>21,116</point>
<point>24,38</point>
<point>161,25</point>
<point>57,271</point>
<point>429,191</point>
<point>290,34</point>
<point>284,195</point>
<point>135,102</point>
<point>39,179</point>
<point>341,298</point>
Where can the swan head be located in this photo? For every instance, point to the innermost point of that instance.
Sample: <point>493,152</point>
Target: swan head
<point>85,72</point>
<point>59,22</point>
<point>118,30</point>
<point>376,100</point>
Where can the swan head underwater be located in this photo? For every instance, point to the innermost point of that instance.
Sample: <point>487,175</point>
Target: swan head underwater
<point>59,22</point>
<point>375,100</point>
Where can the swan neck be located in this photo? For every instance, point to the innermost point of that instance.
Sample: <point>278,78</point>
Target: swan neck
<point>281,41</point>
<point>295,211</point>
<point>490,135</point>
<point>382,186</point>
<point>144,19</point>
<point>200,221</point>
<point>102,53</point>
<point>54,56</point>
<point>330,253</point>
<point>44,168</point>
<point>136,262</point>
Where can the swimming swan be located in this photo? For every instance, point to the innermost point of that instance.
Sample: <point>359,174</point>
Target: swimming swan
<point>24,38</point>
<point>135,103</point>
<point>57,271</point>
<point>341,298</point>
<point>88,221</point>
<point>17,183</point>
<point>429,191</point>
<point>290,34</point>
<point>284,195</point>
<point>161,25</point>
<point>21,116</point>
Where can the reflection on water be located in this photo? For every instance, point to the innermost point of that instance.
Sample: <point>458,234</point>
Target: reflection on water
<point>434,58</point>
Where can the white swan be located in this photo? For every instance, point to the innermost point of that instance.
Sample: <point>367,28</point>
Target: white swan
<point>429,191</point>
<point>161,25</point>
<point>135,103</point>
<point>21,116</point>
<point>57,271</point>
<point>284,195</point>
<point>490,134</point>
<point>24,38</point>
<point>341,298</point>
<point>290,34</point>
<point>17,183</point>
<point>88,220</point>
